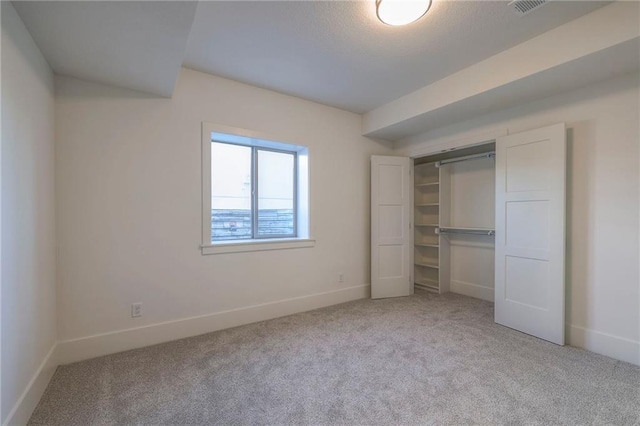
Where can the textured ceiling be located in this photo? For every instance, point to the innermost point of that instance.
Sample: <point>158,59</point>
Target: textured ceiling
<point>133,44</point>
<point>333,52</point>
<point>339,54</point>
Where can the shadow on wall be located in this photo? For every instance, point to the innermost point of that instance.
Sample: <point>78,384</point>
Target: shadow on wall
<point>579,161</point>
<point>82,89</point>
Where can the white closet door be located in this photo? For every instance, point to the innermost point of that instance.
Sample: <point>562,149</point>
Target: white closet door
<point>530,232</point>
<point>390,227</point>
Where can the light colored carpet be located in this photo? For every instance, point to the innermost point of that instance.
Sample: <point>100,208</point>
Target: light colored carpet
<point>424,359</point>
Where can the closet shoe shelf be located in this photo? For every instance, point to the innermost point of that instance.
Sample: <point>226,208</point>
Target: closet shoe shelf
<point>426,219</point>
<point>428,265</point>
<point>430,284</point>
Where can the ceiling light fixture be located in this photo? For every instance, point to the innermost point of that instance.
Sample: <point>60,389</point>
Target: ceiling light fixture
<point>401,12</point>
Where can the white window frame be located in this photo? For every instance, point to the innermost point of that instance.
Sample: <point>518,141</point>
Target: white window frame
<point>212,132</point>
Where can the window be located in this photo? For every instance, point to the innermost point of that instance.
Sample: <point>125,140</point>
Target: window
<point>255,192</point>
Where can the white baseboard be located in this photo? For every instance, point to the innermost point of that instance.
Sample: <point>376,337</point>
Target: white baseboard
<point>108,343</point>
<point>605,344</point>
<point>68,351</point>
<point>29,399</point>
<point>472,290</point>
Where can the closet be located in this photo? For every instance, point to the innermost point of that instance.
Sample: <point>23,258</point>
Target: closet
<point>453,217</point>
<point>485,220</point>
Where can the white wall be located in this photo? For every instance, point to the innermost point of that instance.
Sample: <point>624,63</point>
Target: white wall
<point>28,222</point>
<point>129,203</point>
<point>471,204</point>
<point>603,204</point>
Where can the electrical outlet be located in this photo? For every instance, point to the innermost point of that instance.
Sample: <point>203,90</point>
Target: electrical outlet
<point>136,310</point>
<point>341,277</point>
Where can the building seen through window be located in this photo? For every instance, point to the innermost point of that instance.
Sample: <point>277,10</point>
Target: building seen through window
<point>253,192</point>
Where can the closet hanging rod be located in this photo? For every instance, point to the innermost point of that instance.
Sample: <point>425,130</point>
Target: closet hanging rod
<point>491,154</point>
<point>471,231</point>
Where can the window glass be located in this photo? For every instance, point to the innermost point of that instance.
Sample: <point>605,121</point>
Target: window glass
<point>230,192</point>
<point>276,189</point>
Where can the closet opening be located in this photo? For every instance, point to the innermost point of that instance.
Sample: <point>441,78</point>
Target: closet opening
<point>454,221</point>
<point>485,225</point>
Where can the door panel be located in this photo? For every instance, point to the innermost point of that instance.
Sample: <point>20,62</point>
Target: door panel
<point>530,232</point>
<point>390,232</point>
<point>527,165</point>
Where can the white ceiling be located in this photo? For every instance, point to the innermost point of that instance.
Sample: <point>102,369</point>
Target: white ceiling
<point>133,44</point>
<point>339,54</point>
<point>333,52</point>
<point>601,45</point>
<point>607,63</point>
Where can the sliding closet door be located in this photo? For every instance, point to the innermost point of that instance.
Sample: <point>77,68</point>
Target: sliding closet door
<point>530,232</point>
<point>390,227</point>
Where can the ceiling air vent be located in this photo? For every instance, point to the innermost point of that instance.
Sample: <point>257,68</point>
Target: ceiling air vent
<point>522,7</point>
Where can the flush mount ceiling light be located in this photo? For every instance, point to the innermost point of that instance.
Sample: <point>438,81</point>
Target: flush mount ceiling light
<point>401,12</point>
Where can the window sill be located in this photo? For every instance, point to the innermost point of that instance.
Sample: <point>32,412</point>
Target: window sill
<point>257,245</point>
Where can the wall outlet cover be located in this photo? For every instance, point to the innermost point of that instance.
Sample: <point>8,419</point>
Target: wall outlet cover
<point>136,310</point>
